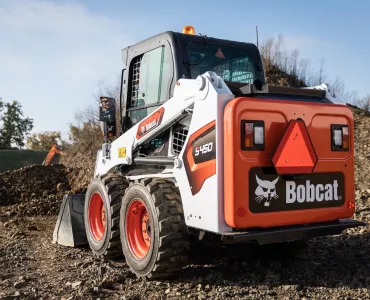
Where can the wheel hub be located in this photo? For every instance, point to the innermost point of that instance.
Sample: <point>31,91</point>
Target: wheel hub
<point>138,229</point>
<point>97,216</point>
<point>145,225</point>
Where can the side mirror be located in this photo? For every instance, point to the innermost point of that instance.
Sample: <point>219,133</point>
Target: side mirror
<point>107,112</point>
<point>107,115</point>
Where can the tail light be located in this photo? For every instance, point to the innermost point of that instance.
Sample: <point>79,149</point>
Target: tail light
<point>253,135</point>
<point>339,137</point>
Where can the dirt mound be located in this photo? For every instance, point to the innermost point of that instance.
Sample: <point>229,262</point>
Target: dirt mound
<point>362,149</point>
<point>34,190</point>
<point>274,75</point>
<point>80,171</point>
<point>80,155</point>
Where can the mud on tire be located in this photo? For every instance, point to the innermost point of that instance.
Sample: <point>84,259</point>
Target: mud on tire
<point>102,212</point>
<point>163,248</point>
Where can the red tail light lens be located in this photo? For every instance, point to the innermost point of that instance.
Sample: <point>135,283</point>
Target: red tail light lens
<point>253,135</point>
<point>339,137</point>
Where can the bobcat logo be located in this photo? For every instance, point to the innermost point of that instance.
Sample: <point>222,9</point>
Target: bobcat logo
<point>266,191</point>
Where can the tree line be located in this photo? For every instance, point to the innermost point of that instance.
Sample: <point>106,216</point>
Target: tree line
<point>15,130</point>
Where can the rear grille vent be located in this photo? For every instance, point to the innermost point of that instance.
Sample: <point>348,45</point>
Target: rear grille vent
<point>179,137</point>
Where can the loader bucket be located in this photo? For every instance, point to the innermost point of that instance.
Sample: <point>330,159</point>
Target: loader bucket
<point>70,229</point>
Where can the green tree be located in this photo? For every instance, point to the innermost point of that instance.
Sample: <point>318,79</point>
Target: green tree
<point>44,140</point>
<point>14,126</point>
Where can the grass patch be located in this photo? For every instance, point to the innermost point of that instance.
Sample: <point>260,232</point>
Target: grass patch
<point>15,159</point>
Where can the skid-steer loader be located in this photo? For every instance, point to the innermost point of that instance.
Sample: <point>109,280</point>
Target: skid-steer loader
<point>209,149</point>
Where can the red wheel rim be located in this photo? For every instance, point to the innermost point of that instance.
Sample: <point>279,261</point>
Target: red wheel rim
<point>97,219</point>
<point>138,229</point>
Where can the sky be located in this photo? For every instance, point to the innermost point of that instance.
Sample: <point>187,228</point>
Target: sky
<point>53,54</point>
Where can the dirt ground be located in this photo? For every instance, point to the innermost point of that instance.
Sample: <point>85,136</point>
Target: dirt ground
<point>336,267</point>
<point>31,267</point>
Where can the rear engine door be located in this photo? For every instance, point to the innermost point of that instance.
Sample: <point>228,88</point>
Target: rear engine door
<point>287,162</point>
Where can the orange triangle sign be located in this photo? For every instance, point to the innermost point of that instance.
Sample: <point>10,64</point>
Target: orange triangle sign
<point>295,153</point>
<point>219,54</point>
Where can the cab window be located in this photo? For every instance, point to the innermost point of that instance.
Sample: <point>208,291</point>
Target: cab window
<point>230,63</point>
<point>150,74</point>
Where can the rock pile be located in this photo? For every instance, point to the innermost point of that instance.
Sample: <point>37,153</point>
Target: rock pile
<point>362,150</point>
<point>34,190</point>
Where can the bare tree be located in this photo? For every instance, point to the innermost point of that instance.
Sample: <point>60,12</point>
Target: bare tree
<point>351,97</point>
<point>338,87</point>
<point>321,77</point>
<point>289,69</point>
<point>109,90</point>
<point>44,140</point>
<point>85,129</point>
<point>364,103</point>
<point>91,112</point>
<point>281,67</point>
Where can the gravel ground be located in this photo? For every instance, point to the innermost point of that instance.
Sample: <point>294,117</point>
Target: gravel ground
<point>31,267</point>
<point>336,267</point>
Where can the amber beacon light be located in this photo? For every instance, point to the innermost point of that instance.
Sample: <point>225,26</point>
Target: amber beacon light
<point>188,30</point>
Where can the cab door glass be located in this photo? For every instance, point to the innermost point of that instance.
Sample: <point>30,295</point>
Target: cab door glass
<point>150,77</point>
<point>149,83</point>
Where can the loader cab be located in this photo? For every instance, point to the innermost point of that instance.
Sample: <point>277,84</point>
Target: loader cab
<point>154,65</point>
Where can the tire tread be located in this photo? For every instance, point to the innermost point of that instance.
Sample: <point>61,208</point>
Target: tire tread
<point>174,241</point>
<point>116,186</point>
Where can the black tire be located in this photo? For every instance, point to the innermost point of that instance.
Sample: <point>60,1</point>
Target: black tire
<point>169,245</point>
<point>111,187</point>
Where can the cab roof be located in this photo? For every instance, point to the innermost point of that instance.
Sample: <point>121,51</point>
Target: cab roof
<point>181,40</point>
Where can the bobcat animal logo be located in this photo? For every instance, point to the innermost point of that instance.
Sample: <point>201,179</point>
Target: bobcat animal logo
<point>266,191</point>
